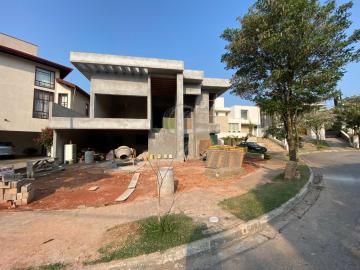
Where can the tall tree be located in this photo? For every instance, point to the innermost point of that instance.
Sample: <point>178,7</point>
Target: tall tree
<point>288,55</point>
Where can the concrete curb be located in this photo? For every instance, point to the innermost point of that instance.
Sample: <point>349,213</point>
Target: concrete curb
<point>208,244</point>
<point>327,151</point>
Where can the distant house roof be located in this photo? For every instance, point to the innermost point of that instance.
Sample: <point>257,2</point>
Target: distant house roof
<point>63,69</point>
<point>72,86</point>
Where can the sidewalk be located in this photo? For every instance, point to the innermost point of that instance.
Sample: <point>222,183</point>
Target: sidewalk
<point>39,237</point>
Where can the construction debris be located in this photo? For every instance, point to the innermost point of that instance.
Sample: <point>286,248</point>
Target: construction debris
<point>13,188</point>
<point>94,188</point>
<point>110,156</point>
<point>130,189</point>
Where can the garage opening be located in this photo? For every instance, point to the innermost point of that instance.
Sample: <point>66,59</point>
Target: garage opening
<point>115,106</point>
<point>103,141</point>
<point>163,98</point>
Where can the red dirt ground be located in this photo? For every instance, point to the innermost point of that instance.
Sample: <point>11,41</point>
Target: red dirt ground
<point>69,189</point>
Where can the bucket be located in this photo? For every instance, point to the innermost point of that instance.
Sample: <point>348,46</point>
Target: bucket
<point>89,157</point>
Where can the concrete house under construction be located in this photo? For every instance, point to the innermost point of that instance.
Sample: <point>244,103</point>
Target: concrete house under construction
<point>149,104</point>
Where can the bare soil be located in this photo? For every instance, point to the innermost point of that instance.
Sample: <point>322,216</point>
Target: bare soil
<point>69,189</point>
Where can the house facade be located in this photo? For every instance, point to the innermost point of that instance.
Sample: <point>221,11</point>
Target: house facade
<point>28,84</point>
<point>237,121</point>
<point>149,104</point>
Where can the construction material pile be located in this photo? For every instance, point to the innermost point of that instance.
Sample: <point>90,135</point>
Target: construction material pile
<point>14,188</point>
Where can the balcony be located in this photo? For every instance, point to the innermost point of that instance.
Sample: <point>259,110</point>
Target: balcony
<point>44,84</point>
<point>64,118</point>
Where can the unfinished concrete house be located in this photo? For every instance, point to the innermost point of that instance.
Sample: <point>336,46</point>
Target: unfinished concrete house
<point>149,104</point>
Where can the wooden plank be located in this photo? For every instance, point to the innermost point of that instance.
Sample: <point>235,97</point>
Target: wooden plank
<point>125,195</point>
<point>134,180</point>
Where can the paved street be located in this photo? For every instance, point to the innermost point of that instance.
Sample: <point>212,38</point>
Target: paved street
<point>326,237</point>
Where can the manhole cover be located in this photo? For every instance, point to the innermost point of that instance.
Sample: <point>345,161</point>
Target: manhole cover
<point>213,219</point>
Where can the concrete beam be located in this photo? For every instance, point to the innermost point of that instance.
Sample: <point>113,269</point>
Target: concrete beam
<point>216,83</point>
<point>99,123</point>
<point>193,74</point>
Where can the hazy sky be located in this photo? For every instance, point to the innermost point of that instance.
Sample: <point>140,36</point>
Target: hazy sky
<point>184,30</point>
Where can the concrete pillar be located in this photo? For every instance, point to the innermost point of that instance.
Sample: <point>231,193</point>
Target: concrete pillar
<point>54,145</point>
<point>92,105</point>
<point>201,120</point>
<point>179,114</point>
<point>149,111</point>
<point>58,146</point>
<point>92,101</point>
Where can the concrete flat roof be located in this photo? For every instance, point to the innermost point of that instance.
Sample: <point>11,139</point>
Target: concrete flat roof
<point>129,61</point>
<point>193,74</point>
<point>216,83</point>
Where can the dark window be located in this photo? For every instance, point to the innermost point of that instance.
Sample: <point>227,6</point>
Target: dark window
<point>44,78</point>
<point>63,100</point>
<point>244,114</point>
<point>87,109</point>
<point>41,103</point>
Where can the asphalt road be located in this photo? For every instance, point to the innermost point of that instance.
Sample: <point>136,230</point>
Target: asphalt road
<point>327,236</point>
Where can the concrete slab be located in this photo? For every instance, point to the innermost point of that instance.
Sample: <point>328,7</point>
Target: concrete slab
<point>125,195</point>
<point>134,181</point>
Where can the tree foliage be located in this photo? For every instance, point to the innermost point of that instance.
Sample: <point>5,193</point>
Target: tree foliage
<point>316,120</point>
<point>45,138</point>
<point>348,111</point>
<point>288,55</point>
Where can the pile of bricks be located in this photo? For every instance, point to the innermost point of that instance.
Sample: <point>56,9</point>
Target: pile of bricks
<point>14,188</point>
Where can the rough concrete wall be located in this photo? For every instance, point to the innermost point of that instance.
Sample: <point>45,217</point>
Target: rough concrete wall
<point>17,77</point>
<point>119,85</point>
<point>192,89</point>
<point>162,141</point>
<point>201,119</point>
<point>60,111</point>
<point>79,103</point>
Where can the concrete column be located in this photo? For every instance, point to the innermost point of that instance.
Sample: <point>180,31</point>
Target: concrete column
<point>92,101</point>
<point>54,146</point>
<point>179,116</point>
<point>58,146</point>
<point>149,111</point>
<point>92,105</point>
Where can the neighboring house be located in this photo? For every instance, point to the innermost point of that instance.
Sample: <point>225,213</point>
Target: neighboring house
<point>237,121</point>
<point>28,84</point>
<point>149,104</point>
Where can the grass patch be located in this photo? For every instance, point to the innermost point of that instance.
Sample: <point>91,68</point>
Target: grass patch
<point>320,144</point>
<point>267,197</point>
<point>53,266</point>
<point>148,235</point>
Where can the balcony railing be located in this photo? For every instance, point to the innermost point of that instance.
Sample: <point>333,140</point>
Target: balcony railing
<point>44,84</point>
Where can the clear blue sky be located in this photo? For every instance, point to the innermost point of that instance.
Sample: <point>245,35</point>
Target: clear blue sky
<point>185,30</point>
